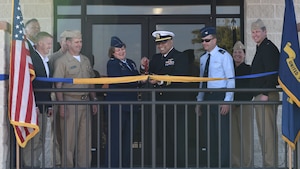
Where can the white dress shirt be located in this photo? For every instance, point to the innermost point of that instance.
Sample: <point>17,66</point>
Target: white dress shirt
<point>45,60</point>
<point>220,66</point>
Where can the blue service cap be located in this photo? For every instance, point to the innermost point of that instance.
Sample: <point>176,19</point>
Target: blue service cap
<point>116,42</point>
<point>207,31</point>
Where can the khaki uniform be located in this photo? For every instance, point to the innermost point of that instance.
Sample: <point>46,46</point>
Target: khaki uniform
<point>266,117</point>
<point>241,136</point>
<point>75,128</point>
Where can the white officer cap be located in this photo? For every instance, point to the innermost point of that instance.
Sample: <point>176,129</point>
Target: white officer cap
<point>162,35</point>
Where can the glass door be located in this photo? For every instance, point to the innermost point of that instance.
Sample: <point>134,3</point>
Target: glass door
<point>130,30</point>
<point>135,32</point>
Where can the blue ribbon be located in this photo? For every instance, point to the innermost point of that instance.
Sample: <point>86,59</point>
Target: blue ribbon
<point>46,79</point>
<point>3,77</point>
<point>254,75</point>
<point>69,80</point>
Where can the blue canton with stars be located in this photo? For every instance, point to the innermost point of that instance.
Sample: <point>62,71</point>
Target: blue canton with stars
<point>18,25</point>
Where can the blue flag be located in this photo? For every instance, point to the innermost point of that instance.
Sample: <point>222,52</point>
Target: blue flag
<point>289,76</point>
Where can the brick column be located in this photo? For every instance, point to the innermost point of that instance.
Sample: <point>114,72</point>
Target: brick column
<point>4,122</point>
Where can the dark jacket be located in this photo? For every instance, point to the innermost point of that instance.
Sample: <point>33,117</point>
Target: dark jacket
<point>242,69</point>
<point>266,59</point>
<point>175,64</point>
<point>116,68</point>
<point>40,71</point>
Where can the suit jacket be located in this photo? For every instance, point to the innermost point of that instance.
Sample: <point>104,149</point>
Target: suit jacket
<point>175,64</point>
<point>266,59</point>
<point>116,68</point>
<point>40,71</point>
<point>31,48</point>
<point>242,69</point>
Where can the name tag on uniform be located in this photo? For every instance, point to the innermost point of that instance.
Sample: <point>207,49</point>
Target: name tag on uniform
<point>73,67</point>
<point>169,62</point>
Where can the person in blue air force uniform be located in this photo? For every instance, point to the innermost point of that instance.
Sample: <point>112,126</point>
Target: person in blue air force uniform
<point>215,63</point>
<point>118,66</point>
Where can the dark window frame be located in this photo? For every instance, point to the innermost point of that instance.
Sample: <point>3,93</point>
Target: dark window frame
<point>84,17</point>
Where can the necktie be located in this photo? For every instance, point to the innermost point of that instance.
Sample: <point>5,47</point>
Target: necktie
<point>205,73</point>
<point>128,66</point>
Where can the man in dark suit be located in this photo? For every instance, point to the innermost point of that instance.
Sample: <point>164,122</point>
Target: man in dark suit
<point>32,28</point>
<point>34,148</point>
<point>169,62</point>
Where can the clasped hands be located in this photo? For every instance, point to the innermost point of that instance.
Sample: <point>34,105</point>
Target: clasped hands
<point>145,66</point>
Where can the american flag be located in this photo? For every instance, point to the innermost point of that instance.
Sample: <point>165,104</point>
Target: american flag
<point>22,111</point>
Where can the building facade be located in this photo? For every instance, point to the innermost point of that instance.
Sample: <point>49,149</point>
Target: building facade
<point>138,21</point>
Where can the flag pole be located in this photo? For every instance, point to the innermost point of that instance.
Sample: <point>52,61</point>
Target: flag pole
<point>17,156</point>
<point>290,157</point>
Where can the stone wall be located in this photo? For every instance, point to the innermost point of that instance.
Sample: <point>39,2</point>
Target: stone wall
<point>39,9</point>
<point>272,13</point>
<point>4,122</point>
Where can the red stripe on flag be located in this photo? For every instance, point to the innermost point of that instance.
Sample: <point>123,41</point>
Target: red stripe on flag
<point>22,110</point>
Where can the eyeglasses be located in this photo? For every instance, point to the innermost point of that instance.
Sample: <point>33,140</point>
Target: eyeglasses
<point>206,40</point>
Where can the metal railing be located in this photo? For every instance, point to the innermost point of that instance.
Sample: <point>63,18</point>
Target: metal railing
<point>157,139</point>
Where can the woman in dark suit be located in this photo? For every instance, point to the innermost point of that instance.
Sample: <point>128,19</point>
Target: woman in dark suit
<point>118,66</point>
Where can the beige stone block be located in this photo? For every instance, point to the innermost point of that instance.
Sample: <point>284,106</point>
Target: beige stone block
<point>3,116</point>
<point>252,1</point>
<point>272,2</point>
<point>3,62</point>
<point>274,38</point>
<point>3,96</point>
<point>261,11</point>
<point>5,11</point>
<point>46,25</point>
<point>4,51</point>
<point>41,10</point>
<point>273,25</point>
<point>6,1</point>
<point>2,39</point>
<point>4,26</point>
<point>297,11</point>
<point>4,85</point>
<point>5,138</point>
<point>279,11</point>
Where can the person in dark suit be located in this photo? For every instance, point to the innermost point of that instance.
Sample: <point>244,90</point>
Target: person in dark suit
<point>41,68</point>
<point>32,28</point>
<point>119,66</point>
<point>168,62</point>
